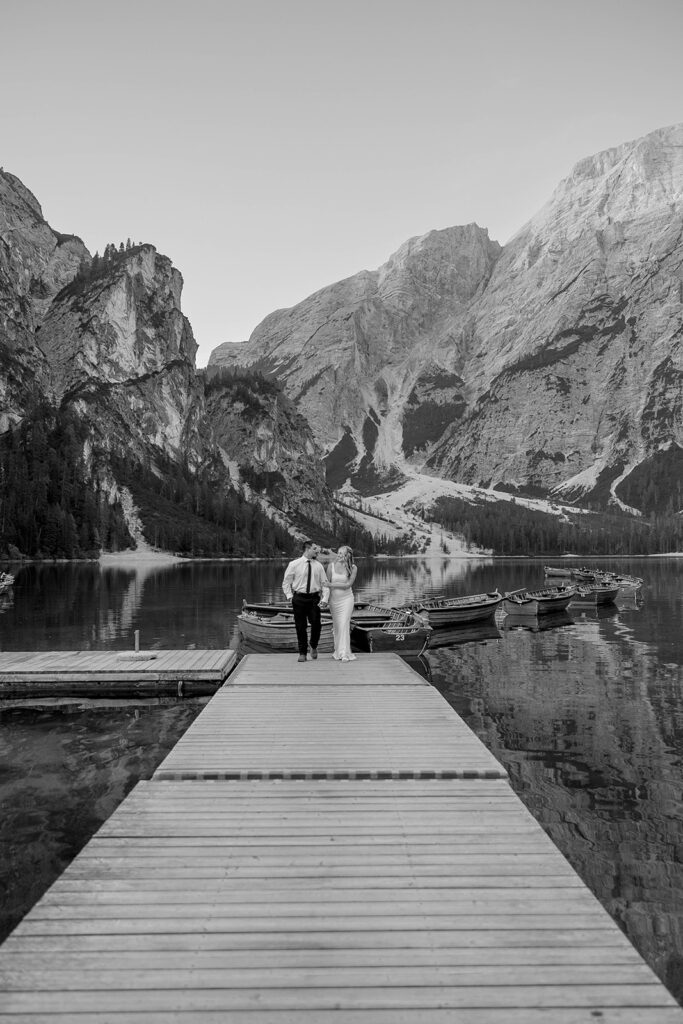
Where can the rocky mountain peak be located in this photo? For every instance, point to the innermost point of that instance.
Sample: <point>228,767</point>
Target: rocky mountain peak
<point>635,180</point>
<point>552,363</point>
<point>118,320</point>
<point>583,311</point>
<point>352,354</point>
<point>36,262</point>
<point>451,263</point>
<point>17,197</point>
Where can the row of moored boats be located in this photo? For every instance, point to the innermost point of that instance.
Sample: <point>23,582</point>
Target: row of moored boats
<point>593,587</point>
<point>411,627</point>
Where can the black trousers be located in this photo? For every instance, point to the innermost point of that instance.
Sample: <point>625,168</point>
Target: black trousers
<point>305,608</point>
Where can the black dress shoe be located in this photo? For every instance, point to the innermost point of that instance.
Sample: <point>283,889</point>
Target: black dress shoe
<point>314,653</point>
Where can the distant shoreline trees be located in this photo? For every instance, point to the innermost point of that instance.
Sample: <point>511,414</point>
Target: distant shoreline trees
<point>513,529</point>
<point>49,508</point>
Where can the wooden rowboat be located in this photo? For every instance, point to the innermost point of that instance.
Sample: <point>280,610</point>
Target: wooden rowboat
<point>550,570</point>
<point>269,609</point>
<point>595,593</point>
<point>400,631</point>
<point>538,602</point>
<point>623,581</point>
<point>455,611</point>
<point>277,632</point>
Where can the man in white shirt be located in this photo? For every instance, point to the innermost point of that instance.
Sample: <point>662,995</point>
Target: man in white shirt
<point>305,584</point>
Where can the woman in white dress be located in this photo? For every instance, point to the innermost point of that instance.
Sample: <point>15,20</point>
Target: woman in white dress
<point>341,573</point>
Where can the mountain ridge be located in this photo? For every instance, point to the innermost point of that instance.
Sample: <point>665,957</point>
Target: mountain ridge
<point>564,312</point>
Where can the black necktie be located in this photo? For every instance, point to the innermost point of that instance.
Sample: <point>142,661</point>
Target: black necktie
<point>308,578</point>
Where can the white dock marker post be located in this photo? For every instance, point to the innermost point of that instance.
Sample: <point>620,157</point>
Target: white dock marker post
<point>137,640</point>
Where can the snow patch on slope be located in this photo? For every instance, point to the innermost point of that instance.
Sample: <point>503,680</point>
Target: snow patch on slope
<point>397,513</point>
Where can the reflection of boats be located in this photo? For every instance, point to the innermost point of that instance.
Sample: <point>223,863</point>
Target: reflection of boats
<point>553,620</point>
<point>538,602</point>
<point>450,611</point>
<point>595,594</point>
<point>390,630</point>
<point>593,612</point>
<point>418,663</point>
<point>630,598</point>
<point>277,631</point>
<point>466,634</point>
<point>6,581</point>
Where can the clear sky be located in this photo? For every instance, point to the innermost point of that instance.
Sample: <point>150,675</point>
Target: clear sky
<point>271,147</point>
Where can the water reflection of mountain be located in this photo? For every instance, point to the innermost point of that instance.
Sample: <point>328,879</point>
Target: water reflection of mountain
<point>386,583</point>
<point>65,773</point>
<point>590,727</point>
<point>85,607</point>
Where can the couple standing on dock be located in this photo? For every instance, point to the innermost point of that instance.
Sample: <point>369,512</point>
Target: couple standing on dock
<point>310,588</point>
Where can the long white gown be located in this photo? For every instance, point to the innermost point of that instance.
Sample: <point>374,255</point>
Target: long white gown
<point>341,607</point>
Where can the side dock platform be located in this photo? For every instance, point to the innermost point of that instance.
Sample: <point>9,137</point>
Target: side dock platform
<point>326,844</point>
<point>113,673</point>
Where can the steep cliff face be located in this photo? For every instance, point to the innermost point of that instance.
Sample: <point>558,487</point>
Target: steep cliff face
<point>266,444</point>
<point>121,351</point>
<point>554,363</point>
<point>577,365</point>
<point>35,263</point>
<point>355,355</point>
<point>106,339</point>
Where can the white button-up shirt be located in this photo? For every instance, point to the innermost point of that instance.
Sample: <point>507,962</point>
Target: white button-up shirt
<point>296,575</point>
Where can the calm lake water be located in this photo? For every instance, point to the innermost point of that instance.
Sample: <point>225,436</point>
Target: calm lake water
<point>587,716</point>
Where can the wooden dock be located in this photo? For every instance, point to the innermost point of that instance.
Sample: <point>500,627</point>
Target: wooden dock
<point>288,878</point>
<point>113,673</point>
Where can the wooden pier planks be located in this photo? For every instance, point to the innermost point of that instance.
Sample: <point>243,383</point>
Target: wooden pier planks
<point>318,901</point>
<point>286,670</point>
<point>96,673</point>
<point>374,717</point>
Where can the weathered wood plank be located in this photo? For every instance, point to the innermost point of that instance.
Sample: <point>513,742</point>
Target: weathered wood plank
<point>544,919</point>
<point>196,887</point>
<point>492,956</point>
<point>367,997</point>
<point>486,1015</point>
<point>562,937</point>
<point>332,977</point>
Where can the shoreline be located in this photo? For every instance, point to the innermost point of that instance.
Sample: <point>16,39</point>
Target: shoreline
<point>118,558</point>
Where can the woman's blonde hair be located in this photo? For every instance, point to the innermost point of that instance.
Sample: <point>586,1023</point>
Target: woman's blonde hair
<point>345,556</point>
